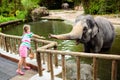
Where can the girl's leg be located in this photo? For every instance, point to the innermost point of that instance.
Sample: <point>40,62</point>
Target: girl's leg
<point>20,63</point>
<point>24,62</point>
<point>25,65</point>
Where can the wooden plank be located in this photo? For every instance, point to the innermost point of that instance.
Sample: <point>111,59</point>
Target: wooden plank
<point>51,68</point>
<point>114,70</point>
<point>94,69</point>
<point>63,68</point>
<point>55,58</point>
<point>82,54</point>
<point>38,56</point>
<point>78,68</point>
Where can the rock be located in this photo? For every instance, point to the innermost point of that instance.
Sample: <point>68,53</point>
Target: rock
<point>85,71</point>
<point>39,12</point>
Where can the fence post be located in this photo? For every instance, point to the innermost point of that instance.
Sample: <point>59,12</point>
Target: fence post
<point>94,68</point>
<point>78,68</point>
<point>43,55</point>
<point>36,45</point>
<point>114,70</point>
<point>6,44</point>
<point>63,68</point>
<point>38,56</point>
<point>51,67</point>
<point>19,41</point>
<point>55,57</point>
<point>48,62</point>
<point>14,42</point>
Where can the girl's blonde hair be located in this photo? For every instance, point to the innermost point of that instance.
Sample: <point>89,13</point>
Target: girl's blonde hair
<point>26,27</point>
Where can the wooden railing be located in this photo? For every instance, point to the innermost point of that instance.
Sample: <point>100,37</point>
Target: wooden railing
<point>51,53</point>
<point>11,43</point>
<point>48,49</point>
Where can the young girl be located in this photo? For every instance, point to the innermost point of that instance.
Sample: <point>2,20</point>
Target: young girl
<point>25,45</point>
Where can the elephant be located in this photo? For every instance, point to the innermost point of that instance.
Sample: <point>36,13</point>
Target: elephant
<point>96,33</point>
<point>65,5</point>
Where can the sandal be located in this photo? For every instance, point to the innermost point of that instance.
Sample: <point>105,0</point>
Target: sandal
<point>20,72</point>
<point>27,68</point>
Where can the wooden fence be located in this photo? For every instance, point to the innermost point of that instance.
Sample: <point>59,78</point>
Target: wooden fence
<point>48,49</point>
<point>11,43</point>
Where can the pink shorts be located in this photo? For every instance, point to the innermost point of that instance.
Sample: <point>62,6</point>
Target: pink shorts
<point>23,51</point>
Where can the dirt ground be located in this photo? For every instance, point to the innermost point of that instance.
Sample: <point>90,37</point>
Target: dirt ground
<point>70,15</point>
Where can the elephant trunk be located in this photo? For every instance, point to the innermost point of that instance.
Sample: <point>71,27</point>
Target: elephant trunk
<point>62,36</point>
<point>76,33</point>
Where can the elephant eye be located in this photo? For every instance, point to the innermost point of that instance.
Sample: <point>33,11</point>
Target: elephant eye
<point>85,29</point>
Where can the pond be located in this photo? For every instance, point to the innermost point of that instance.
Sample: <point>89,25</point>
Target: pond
<point>45,27</point>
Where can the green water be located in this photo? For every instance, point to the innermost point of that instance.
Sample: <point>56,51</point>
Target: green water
<point>44,28</point>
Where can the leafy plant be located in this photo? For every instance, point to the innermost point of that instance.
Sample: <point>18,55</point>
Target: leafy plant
<point>101,6</point>
<point>20,14</point>
<point>5,19</point>
<point>29,4</point>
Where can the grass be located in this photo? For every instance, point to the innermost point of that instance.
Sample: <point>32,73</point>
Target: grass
<point>19,15</point>
<point>6,19</point>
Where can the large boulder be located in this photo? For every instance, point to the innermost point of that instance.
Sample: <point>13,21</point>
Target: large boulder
<point>85,70</point>
<point>39,12</point>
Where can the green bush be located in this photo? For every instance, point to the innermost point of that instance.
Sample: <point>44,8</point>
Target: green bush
<point>6,19</point>
<point>101,6</point>
<point>20,14</point>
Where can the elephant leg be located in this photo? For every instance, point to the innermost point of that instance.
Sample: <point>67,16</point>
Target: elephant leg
<point>98,46</point>
<point>97,43</point>
<point>87,48</point>
<point>96,49</point>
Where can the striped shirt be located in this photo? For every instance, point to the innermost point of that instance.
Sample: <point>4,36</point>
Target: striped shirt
<point>26,39</point>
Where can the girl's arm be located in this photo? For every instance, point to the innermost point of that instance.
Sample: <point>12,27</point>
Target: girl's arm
<point>37,36</point>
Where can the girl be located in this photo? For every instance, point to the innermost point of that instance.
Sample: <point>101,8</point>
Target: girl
<point>25,45</point>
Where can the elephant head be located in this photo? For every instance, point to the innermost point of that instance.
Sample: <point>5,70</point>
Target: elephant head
<point>84,29</point>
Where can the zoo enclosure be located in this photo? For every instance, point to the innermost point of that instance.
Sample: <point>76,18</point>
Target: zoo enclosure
<point>45,48</point>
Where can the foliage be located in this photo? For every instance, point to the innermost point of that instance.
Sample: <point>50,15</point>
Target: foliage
<point>21,8</point>
<point>69,0</point>
<point>77,2</point>
<point>101,6</point>
<point>29,4</point>
<point>21,14</point>
<point>5,19</point>
<point>16,9</point>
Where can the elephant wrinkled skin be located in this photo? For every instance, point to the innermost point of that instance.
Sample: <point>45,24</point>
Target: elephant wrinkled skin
<point>97,34</point>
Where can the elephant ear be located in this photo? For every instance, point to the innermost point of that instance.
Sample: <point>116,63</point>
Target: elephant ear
<point>94,31</point>
<point>90,21</point>
<point>92,25</point>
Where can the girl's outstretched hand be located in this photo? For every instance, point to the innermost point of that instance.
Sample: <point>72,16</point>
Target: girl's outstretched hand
<point>42,37</point>
<point>39,37</point>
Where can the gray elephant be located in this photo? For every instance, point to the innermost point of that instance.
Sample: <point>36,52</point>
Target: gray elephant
<point>97,34</point>
<point>65,5</point>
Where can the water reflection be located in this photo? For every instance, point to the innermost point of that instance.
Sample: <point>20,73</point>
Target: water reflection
<point>46,27</point>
